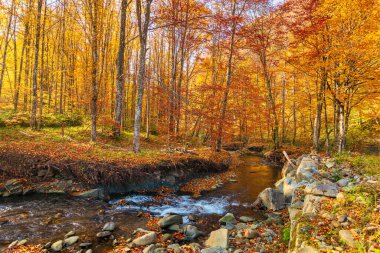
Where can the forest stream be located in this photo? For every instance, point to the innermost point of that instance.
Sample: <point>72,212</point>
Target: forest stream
<point>44,218</point>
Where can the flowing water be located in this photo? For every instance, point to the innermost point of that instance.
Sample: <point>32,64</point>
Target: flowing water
<point>47,218</point>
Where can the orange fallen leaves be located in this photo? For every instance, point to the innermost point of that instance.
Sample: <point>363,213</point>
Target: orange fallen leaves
<point>26,249</point>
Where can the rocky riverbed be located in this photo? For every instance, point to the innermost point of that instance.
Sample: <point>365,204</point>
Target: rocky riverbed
<point>319,205</point>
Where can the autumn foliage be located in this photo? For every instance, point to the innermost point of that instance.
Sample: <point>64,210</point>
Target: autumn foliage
<point>202,72</point>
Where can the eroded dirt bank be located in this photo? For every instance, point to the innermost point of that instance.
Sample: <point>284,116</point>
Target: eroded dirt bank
<point>77,170</point>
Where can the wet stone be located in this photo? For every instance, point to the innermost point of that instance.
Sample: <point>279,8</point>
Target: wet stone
<point>103,234</point>
<point>109,226</point>
<point>57,246</point>
<point>85,244</point>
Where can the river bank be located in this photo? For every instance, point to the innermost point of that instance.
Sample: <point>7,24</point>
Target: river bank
<point>90,171</point>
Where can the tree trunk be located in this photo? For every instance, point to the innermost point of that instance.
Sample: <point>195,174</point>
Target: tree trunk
<point>318,114</point>
<point>33,119</point>
<point>120,79</point>
<point>94,68</point>
<point>4,62</point>
<point>25,44</point>
<point>143,37</point>
<point>228,82</point>
<point>39,125</point>
<point>283,108</point>
<point>342,132</point>
<point>326,126</point>
<point>294,113</point>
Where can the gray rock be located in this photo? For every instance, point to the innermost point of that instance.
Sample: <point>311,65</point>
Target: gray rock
<point>71,240</point>
<point>170,220</point>
<point>228,226</point>
<point>343,182</point>
<point>103,234</point>
<point>348,237</point>
<point>246,219</point>
<point>57,246</point>
<point>307,169</point>
<point>218,238</point>
<point>330,163</point>
<point>272,199</point>
<point>327,189</point>
<point>342,218</point>
<point>109,226</point>
<point>149,249</point>
<point>93,193</point>
<point>145,239</point>
<point>228,218</point>
<point>192,232</point>
<point>214,250</point>
<point>290,185</point>
<point>311,204</point>
<point>174,227</point>
<point>85,244</point>
<point>280,184</point>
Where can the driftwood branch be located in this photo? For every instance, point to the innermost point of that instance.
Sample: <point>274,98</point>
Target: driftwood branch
<point>287,158</point>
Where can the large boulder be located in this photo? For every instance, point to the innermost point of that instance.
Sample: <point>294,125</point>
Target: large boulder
<point>218,238</point>
<point>321,188</point>
<point>307,169</point>
<point>286,185</point>
<point>170,220</point>
<point>271,199</point>
<point>147,239</point>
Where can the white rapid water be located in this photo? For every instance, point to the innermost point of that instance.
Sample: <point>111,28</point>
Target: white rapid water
<point>182,205</point>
